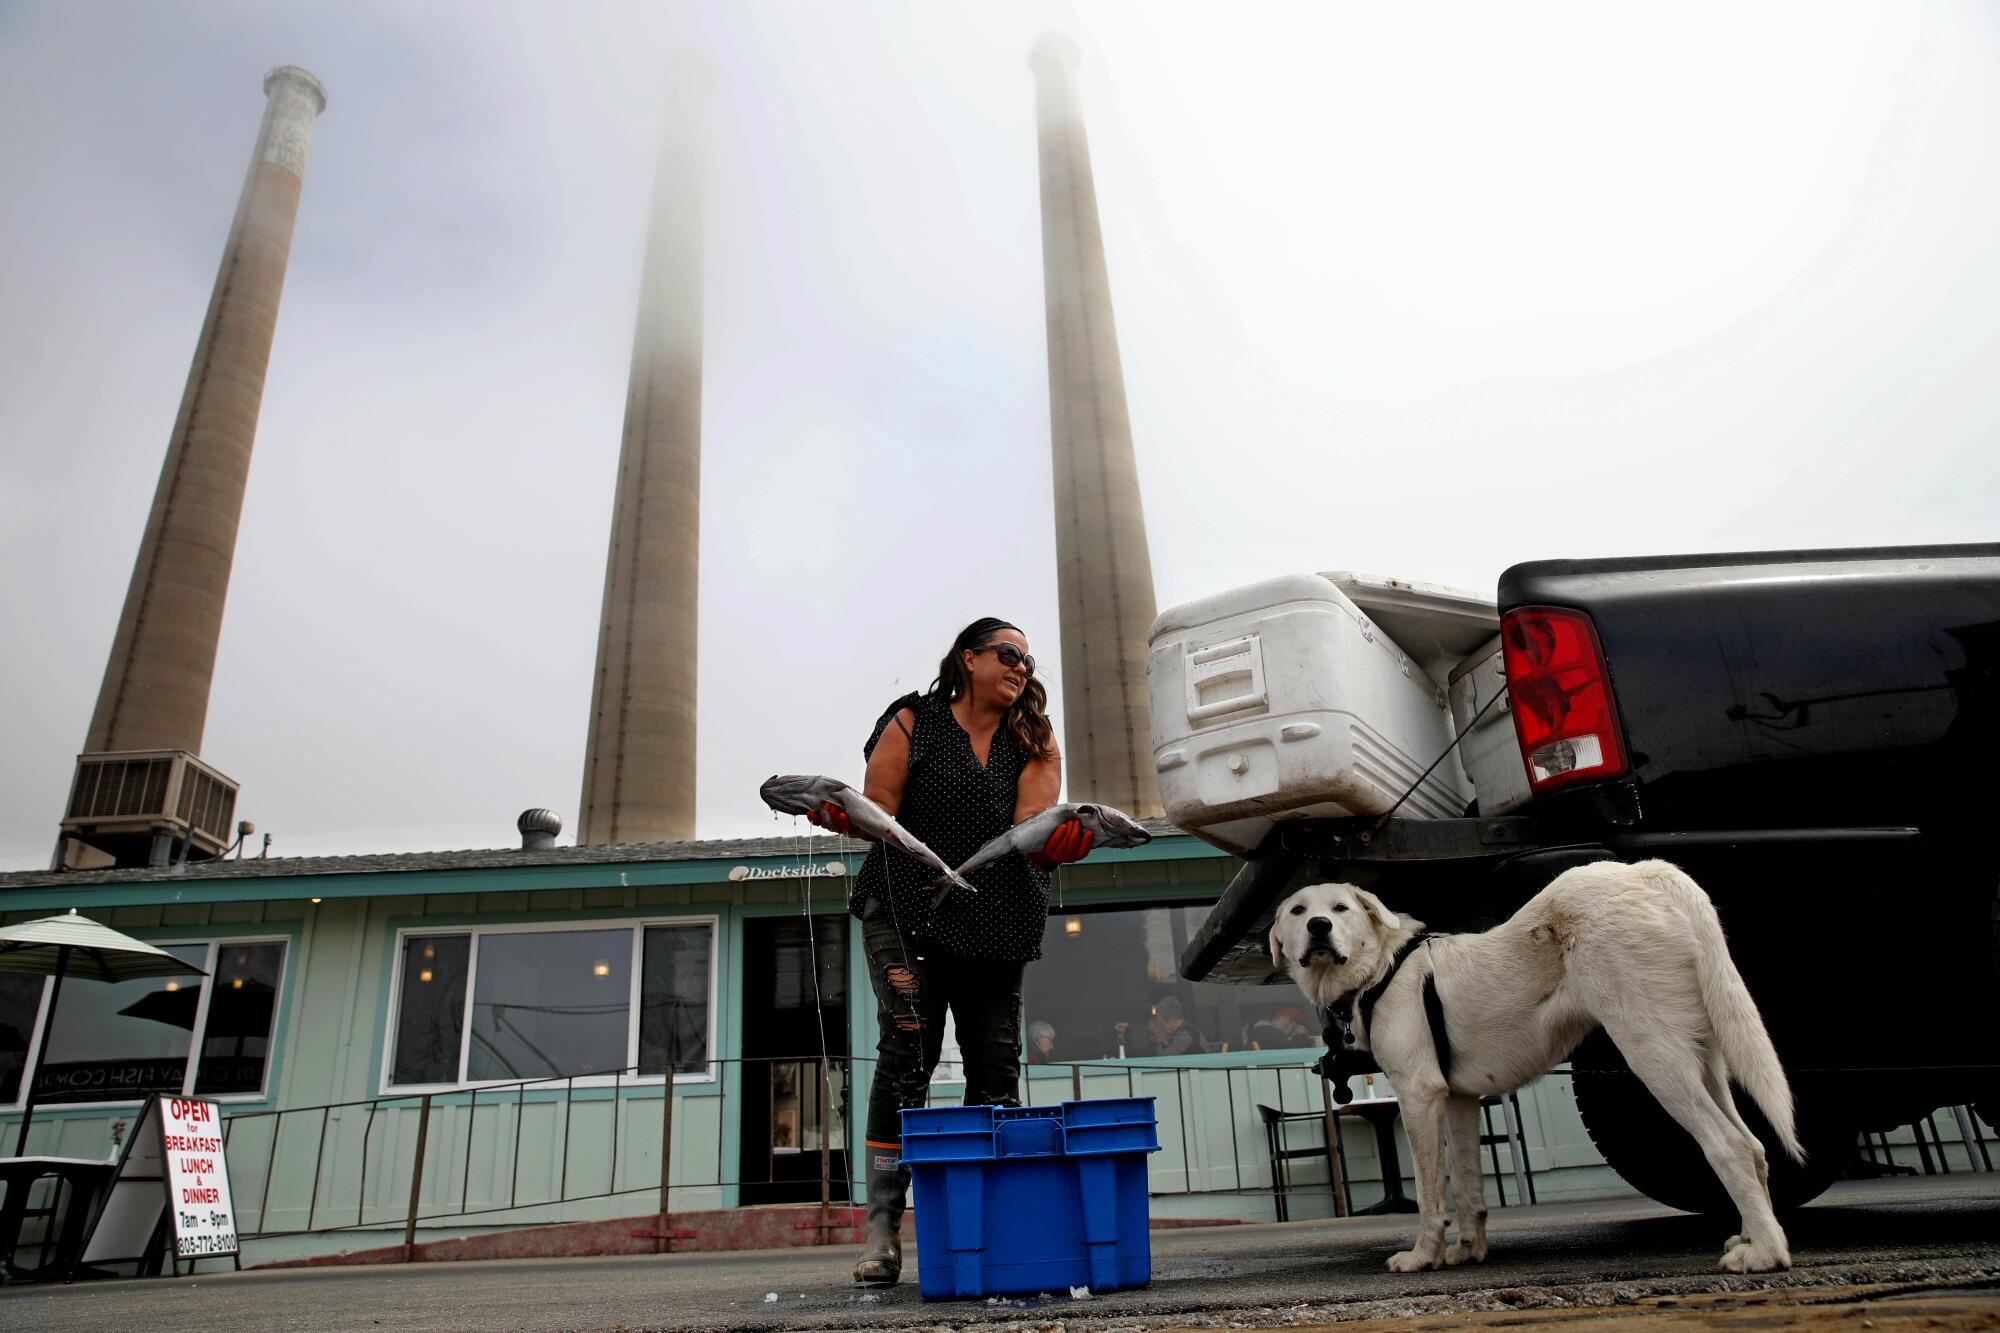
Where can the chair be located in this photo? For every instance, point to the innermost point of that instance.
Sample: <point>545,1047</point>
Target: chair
<point>1517,1150</point>
<point>1968,1129</point>
<point>1281,1176</point>
<point>75,1185</point>
<point>1381,1113</point>
<point>1887,1164</point>
<point>1975,1144</point>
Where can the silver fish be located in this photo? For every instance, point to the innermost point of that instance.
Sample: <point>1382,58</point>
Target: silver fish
<point>1109,826</point>
<point>805,793</point>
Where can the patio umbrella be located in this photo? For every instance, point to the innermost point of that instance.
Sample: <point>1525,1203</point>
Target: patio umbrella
<point>72,945</point>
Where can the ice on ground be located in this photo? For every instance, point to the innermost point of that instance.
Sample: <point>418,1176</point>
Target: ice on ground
<point>770,1298</point>
<point>1079,1293</point>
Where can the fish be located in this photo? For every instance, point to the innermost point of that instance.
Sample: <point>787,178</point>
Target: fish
<point>1109,827</point>
<point>805,793</point>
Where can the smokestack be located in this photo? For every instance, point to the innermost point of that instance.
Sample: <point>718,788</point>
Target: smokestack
<point>155,692</point>
<point>1104,574</point>
<point>639,760</point>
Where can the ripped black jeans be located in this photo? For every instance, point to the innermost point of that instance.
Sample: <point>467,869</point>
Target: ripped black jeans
<point>912,995</point>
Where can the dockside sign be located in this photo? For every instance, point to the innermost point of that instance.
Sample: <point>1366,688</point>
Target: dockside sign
<point>814,870</point>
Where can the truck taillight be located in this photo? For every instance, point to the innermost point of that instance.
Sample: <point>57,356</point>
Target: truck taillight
<point>1560,692</point>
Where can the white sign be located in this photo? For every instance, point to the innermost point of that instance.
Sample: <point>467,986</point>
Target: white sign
<point>171,1180</point>
<point>128,1222</point>
<point>819,870</point>
<point>197,1179</point>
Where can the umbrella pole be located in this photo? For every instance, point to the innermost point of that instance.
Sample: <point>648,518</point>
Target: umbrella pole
<point>41,1053</point>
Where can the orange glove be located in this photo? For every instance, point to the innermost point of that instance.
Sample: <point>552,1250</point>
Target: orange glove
<point>1070,842</point>
<point>831,818</point>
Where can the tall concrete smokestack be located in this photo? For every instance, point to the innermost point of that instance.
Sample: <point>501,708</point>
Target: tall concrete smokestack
<point>155,692</point>
<point>639,762</point>
<point>1104,574</point>
<point>156,683</point>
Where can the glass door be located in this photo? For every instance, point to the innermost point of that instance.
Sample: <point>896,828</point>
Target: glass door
<point>789,1008</point>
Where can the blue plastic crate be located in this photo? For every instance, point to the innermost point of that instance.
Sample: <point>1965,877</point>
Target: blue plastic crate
<point>1015,1200</point>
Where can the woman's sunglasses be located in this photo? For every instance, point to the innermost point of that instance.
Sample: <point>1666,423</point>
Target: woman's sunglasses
<point>1010,656</point>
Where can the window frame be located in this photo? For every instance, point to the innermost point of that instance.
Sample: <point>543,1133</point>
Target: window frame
<point>214,943</point>
<point>635,926</point>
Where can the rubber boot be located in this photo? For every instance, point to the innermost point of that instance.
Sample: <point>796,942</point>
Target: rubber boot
<point>881,1262</point>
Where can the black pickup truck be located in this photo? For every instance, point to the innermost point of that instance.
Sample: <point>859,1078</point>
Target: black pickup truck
<point>1813,736</point>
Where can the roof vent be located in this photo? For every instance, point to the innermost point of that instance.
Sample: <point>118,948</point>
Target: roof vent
<point>538,829</point>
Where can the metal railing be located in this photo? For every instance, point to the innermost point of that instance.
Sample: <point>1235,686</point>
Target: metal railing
<point>457,1157</point>
<point>506,1107</point>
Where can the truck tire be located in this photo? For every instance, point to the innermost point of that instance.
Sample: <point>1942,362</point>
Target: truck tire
<point>1643,1144</point>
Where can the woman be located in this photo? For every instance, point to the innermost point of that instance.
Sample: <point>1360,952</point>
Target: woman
<point>957,766</point>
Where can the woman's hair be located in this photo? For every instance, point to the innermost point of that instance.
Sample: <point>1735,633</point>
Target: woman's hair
<point>1027,718</point>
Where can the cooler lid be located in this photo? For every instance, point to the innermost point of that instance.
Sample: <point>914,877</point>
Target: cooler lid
<point>1434,624</point>
<point>1248,599</point>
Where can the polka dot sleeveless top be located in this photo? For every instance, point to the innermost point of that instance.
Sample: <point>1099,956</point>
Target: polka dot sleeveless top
<point>955,805</point>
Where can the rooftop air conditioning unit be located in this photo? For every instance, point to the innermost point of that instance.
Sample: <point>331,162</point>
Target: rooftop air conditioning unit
<point>147,807</point>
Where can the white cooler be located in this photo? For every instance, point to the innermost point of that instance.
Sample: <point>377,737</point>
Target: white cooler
<point>1491,752</point>
<point>1285,700</point>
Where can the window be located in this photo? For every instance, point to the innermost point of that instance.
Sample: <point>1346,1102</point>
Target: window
<point>20,1008</point>
<point>430,1017</point>
<point>236,1038</point>
<point>122,1041</point>
<point>1109,988</point>
<point>550,1004</point>
<point>673,998</point>
<point>506,1004</point>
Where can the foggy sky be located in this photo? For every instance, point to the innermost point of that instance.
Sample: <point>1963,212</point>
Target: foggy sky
<point>1412,291</point>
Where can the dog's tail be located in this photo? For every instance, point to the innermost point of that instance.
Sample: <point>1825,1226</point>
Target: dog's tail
<point>1732,1013</point>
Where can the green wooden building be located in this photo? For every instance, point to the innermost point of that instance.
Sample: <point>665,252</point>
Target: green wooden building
<point>526,1006</point>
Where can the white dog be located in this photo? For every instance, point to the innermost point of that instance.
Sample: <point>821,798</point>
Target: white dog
<point>1636,949</point>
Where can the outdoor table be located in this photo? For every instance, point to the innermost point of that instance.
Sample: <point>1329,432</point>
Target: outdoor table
<point>83,1177</point>
<point>1381,1112</point>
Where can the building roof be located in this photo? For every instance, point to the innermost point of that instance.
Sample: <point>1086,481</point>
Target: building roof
<point>819,847</point>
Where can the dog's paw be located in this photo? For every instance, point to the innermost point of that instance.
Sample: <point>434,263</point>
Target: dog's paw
<point>1746,1256</point>
<point>1411,1261</point>
<point>1465,1252</point>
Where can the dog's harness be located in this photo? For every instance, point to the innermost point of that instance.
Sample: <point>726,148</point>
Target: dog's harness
<point>1342,1062</point>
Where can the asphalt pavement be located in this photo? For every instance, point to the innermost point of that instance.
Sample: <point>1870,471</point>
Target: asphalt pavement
<point>1924,1234</point>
